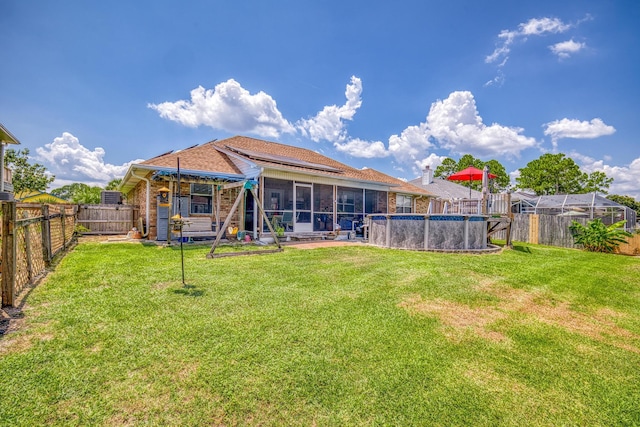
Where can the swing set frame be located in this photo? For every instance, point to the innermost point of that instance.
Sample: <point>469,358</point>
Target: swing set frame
<point>249,186</point>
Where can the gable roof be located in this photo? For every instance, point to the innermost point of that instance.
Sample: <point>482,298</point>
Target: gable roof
<point>446,189</point>
<point>241,157</point>
<point>203,157</point>
<point>274,155</point>
<point>402,186</point>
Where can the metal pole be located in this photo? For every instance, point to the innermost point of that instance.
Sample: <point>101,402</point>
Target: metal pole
<point>181,223</point>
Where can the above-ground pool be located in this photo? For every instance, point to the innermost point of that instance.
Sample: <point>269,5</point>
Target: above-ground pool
<point>446,232</point>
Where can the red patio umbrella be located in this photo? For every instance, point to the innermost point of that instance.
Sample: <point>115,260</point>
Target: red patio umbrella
<point>469,174</point>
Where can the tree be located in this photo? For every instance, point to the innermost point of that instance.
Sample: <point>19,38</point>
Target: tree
<point>597,182</point>
<point>502,181</point>
<point>26,176</point>
<point>113,184</point>
<point>627,201</point>
<point>78,193</point>
<point>449,166</point>
<point>551,174</point>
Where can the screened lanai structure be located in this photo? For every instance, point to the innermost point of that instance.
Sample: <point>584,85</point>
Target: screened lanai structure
<point>588,206</point>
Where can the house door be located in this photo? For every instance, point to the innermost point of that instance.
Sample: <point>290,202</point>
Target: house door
<point>302,213</point>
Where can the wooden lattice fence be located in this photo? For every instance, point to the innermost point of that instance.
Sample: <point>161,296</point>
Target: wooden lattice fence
<point>32,235</point>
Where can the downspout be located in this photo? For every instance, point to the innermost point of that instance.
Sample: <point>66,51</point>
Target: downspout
<point>1,167</point>
<point>148,201</point>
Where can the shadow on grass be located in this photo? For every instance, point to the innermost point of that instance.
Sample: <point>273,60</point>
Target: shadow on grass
<point>525,249</point>
<point>189,291</point>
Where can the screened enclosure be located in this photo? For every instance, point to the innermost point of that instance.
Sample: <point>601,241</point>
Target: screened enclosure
<point>589,206</point>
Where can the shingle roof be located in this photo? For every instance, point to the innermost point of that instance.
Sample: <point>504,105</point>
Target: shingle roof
<point>216,156</point>
<point>403,186</point>
<point>277,156</point>
<point>203,157</point>
<point>446,189</point>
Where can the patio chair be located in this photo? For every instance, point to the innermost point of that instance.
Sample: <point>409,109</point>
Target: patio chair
<point>287,221</point>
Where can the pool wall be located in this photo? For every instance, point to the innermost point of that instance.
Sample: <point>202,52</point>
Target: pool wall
<point>429,232</point>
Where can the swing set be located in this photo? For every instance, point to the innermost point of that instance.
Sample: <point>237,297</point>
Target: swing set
<point>246,186</point>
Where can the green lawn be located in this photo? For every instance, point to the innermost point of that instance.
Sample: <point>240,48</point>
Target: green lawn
<point>335,336</point>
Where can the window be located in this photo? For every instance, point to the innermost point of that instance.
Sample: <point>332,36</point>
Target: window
<point>323,207</point>
<point>201,199</point>
<point>349,200</point>
<point>375,201</point>
<point>278,198</point>
<point>403,204</point>
<point>350,203</point>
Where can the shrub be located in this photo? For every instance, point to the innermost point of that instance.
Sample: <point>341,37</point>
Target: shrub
<point>598,237</point>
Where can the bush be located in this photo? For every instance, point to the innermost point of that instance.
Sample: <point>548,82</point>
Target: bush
<point>598,237</point>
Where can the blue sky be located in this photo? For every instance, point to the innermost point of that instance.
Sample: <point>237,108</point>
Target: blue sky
<point>89,87</point>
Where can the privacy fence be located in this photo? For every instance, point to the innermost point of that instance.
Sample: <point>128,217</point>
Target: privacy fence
<point>553,230</point>
<point>32,235</point>
<point>107,218</point>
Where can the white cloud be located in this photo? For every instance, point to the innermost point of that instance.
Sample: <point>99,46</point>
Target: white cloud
<point>625,178</point>
<point>433,161</point>
<point>70,162</point>
<point>229,107</point>
<point>538,27</point>
<point>498,80</point>
<point>360,148</point>
<point>411,144</point>
<point>329,124</point>
<point>458,127</point>
<point>533,27</point>
<point>576,129</point>
<point>567,48</point>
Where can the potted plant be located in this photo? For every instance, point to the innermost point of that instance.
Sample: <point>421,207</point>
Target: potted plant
<point>277,226</point>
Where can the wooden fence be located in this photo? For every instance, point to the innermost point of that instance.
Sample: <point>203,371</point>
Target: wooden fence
<point>107,219</point>
<point>32,235</point>
<point>632,247</point>
<point>553,230</point>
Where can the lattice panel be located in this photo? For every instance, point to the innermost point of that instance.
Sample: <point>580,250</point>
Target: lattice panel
<point>57,241</point>
<point>22,272</point>
<point>35,244</point>
<point>69,227</point>
<point>30,257</point>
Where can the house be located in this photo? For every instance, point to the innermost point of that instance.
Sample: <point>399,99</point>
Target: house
<point>443,188</point>
<point>6,188</point>
<point>304,191</point>
<point>39,197</point>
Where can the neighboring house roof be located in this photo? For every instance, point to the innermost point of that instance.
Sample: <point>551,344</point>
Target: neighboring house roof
<point>6,137</point>
<point>402,186</point>
<point>445,189</point>
<point>39,197</point>
<point>241,157</point>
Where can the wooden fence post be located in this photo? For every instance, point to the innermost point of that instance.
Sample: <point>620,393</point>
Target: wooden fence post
<point>46,236</point>
<point>63,221</point>
<point>8,253</point>
<point>534,228</point>
<point>27,250</point>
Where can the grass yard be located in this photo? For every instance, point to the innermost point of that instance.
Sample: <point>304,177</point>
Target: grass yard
<point>342,336</point>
